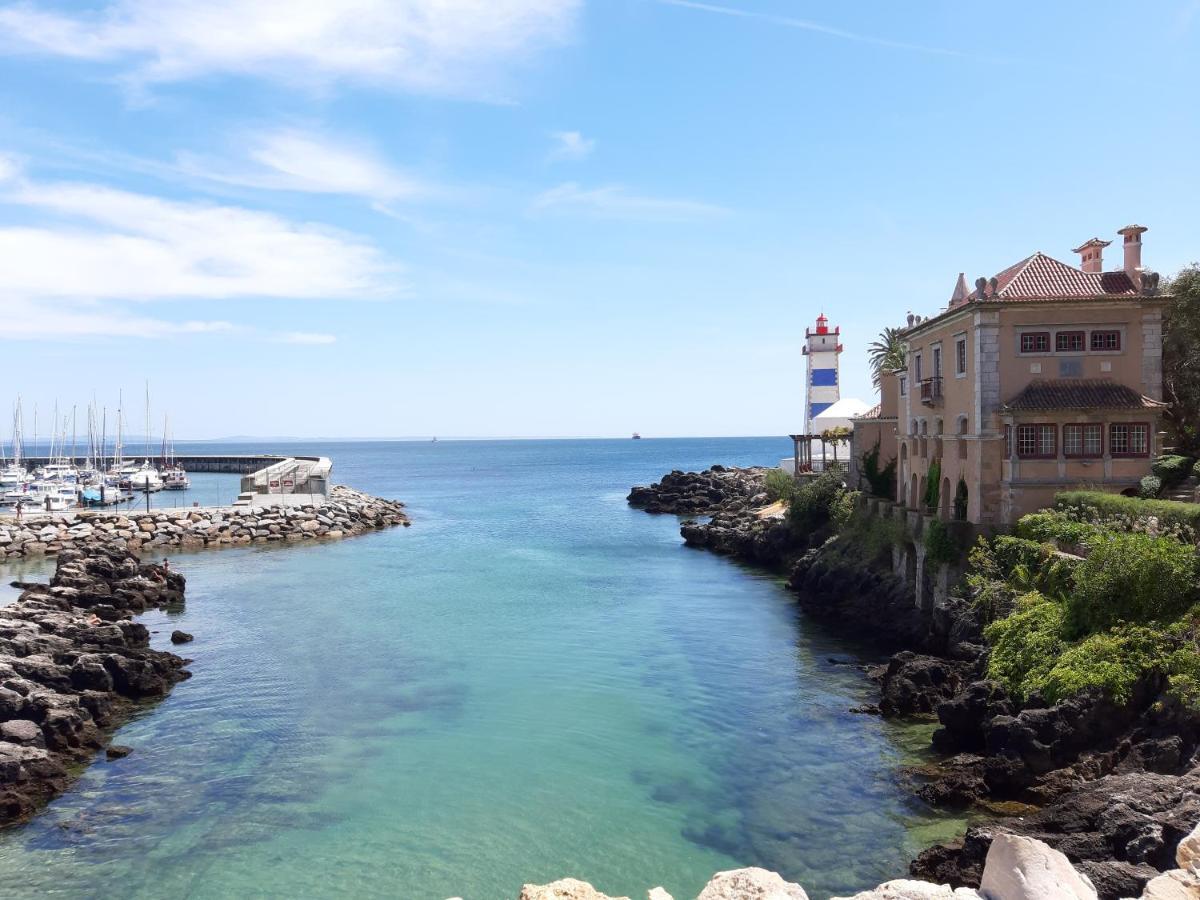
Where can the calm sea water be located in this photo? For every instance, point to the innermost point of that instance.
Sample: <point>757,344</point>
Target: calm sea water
<point>533,681</point>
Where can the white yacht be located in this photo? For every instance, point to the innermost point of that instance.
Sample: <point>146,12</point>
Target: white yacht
<point>146,479</point>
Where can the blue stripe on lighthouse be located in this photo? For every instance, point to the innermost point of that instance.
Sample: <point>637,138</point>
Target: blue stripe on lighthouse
<point>824,377</point>
<point>815,409</point>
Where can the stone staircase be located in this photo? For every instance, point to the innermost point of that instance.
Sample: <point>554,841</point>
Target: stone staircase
<point>1186,491</point>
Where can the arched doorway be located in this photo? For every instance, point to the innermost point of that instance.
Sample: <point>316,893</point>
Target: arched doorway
<point>914,499</point>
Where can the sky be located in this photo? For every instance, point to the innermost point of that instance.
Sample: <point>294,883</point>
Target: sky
<point>508,218</point>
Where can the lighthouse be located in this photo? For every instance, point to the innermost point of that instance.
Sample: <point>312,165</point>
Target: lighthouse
<point>822,347</point>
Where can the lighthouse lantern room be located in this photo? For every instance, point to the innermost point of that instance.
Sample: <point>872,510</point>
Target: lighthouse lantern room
<point>822,347</point>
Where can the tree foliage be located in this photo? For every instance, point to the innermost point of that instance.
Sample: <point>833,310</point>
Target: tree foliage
<point>1181,361</point>
<point>886,353</point>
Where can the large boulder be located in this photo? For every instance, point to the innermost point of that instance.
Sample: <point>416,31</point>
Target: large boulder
<point>751,884</point>
<point>564,889</point>
<point>905,889</point>
<point>1021,868</point>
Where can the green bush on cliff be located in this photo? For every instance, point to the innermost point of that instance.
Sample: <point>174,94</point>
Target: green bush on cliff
<point>1132,578</point>
<point>1112,660</point>
<point>779,485</point>
<point>1054,526</point>
<point>813,501</point>
<point>940,544</point>
<point>842,509</point>
<point>1026,644</point>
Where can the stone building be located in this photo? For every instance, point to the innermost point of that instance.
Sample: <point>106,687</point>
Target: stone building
<point>1044,378</point>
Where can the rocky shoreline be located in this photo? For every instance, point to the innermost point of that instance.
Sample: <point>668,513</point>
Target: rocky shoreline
<point>346,512</point>
<point>1113,786</point>
<point>73,667</point>
<point>1012,867</point>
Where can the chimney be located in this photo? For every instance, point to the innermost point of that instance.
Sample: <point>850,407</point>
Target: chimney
<point>960,290</point>
<point>1091,255</point>
<point>1133,250</point>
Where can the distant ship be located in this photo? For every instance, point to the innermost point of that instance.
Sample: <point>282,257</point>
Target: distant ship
<point>636,436</point>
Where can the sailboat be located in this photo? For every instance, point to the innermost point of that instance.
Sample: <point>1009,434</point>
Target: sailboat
<point>146,478</point>
<point>174,478</point>
<point>13,475</point>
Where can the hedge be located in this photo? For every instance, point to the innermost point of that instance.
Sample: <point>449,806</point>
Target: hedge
<point>1172,469</point>
<point>1088,505</point>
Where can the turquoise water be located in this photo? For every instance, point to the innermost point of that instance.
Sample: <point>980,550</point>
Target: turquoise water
<point>532,682</point>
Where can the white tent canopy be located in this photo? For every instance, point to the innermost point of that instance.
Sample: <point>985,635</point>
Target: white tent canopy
<point>839,414</point>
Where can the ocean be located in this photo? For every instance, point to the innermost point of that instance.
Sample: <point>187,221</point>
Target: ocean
<point>534,681</point>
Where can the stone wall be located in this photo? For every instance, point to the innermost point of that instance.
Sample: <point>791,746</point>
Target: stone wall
<point>346,512</point>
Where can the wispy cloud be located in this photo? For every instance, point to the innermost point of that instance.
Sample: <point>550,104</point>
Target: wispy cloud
<point>95,250</point>
<point>817,27</point>
<point>306,161</point>
<point>571,145</point>
<point>616,202</point>
<point>304,337</point>
<point>419,45</point>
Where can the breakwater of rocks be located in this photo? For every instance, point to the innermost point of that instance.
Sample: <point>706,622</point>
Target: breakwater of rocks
<point>1113,786</point>
<point>344,513</point>
<point>1015,868</point>
<point>73,667</point>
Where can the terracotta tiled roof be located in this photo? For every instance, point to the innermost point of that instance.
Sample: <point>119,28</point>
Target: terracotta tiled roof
<point>1042,277</point>
<point>1079,393</point>
<point>872,413</point>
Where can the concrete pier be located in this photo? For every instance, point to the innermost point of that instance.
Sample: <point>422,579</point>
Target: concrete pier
<point>236,464</point>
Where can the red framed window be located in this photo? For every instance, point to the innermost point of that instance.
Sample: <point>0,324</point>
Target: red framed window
<point>1035,342</point>
<point>1037,441</point>
<point>960,356</point>
<point>1069,341</point>
<point>1129,439</point>
<point>1106,340</point>
<point>1083,441</point>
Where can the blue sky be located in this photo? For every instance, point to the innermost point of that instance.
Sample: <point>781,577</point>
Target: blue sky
<point>549,217</point>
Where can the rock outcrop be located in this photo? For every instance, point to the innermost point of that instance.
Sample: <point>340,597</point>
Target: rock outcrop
<point>1121,831</point>
<point>72,665</point>
<point>706,493</point>
<point>346,512</point>
<point>751,884</point>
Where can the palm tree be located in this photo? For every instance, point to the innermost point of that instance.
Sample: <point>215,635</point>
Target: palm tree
<point>887,353</point>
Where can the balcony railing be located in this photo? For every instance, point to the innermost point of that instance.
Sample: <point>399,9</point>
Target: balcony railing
<point>931,391</point>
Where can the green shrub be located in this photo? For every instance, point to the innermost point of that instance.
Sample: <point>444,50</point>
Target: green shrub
<point>1132,578</point>
<point>1052,526</point>
<point>1026,644</point>
<point>812,502</point>
<point>960,501</point>
<point>780,485</point>
<point>1014,552</point>
<point>882,480</point>
<point>1196,468</point>
<point>933,485</point>
<point>940,544</point>
<point>1149,487</point>
<point>842,509</point>
<point>1172,469</point>
<point>1113,660</point>
<point>1182,520</point>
